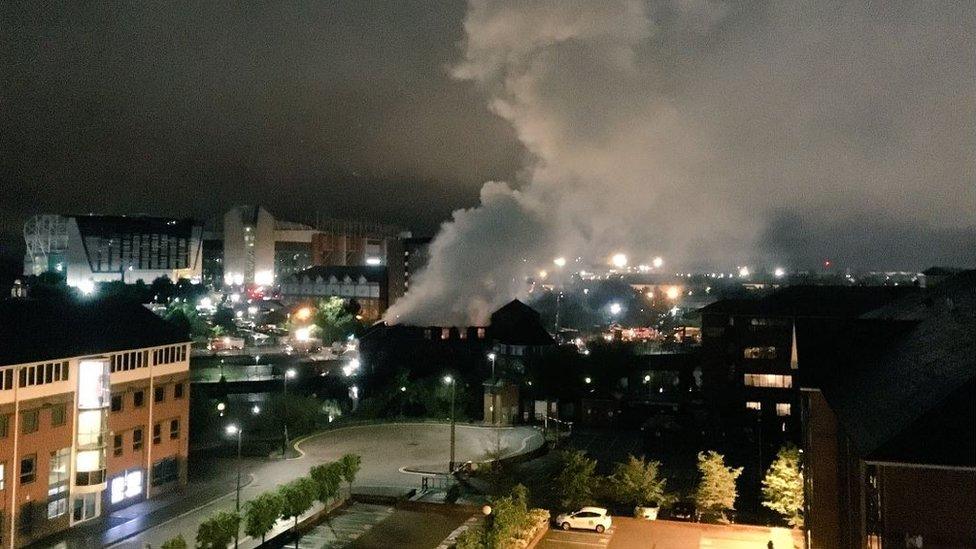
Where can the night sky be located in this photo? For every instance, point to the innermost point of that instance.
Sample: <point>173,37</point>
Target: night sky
<point>400,111</point>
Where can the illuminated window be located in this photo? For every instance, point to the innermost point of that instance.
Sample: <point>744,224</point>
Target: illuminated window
<point>445,333</point>
<point>481,333</point>
<point>754,405</point>
<point>768,380</point>
<point>126,485</point>
<point>3,475</point>
<point>783,409</point>
<point>759,352</point>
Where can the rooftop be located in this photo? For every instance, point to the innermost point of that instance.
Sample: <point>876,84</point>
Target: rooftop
<point>33,330</point>
<point>813,301</point>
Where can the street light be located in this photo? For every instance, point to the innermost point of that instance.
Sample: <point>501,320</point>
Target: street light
<point>491,389</point>
<point>235,430</point>
<point>486,511</point>
<point>289,374</point>
<point>255,410</point>
<point>450,381</point>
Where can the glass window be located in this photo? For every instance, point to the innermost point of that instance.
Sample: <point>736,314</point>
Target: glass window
<point>28,421</point>
<point>137,439</point>
<point>4,425</point>
<point>3,475</point>
<point>178,390</point>
<point>117,445</point>
<point>174,429</point>
<point>159,393</point>
<point>754,405</point>
<point>57,507</point>
<point>783,409</point>
<point>157,433</point>
<point>28,469</point>
<point>139,398</point>
<point>57,415</point>
<point>117,402</point>
<point>768,380</point>
<point>759,352</point>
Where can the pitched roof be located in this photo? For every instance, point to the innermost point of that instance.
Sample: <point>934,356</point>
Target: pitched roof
<point>33,330</point>
<point>518,324</point>
<point>901,386</point>
<point>370,273</point>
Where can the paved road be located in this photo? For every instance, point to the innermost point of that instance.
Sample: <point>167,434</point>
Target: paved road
<point>413,529</point>
<point>385,450</point>
<point>629,533</point>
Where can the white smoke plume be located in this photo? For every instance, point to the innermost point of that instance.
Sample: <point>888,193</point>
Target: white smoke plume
<point>713,134</point>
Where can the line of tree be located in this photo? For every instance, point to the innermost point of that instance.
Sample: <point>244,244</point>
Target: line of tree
<point>290,501</point>
<point>638,482</point>
<point>511,523</point>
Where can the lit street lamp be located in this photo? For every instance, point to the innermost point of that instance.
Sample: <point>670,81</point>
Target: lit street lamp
<point>289,374</point>
<point>450,381</point>
<point>235,430</point>
<point>486,511</point>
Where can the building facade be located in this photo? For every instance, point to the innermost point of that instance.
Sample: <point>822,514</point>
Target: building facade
<point>94,413</point>
<point>102,248</point>
<point>365,285</point>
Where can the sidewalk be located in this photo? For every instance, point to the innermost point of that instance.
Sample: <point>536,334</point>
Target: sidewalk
<point>205,484</point>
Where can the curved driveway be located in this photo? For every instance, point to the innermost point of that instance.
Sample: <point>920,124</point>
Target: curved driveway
<point>385,450</point>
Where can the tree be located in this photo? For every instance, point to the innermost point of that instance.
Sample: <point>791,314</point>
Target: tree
<point>350,463</point>
<point>336,318</point>
<point>636,482</point>
<point>162,289</point>
<point>224,317</point>
<point>185,317</point>
<point>175,543</point>
<point>218,531</point>
<point>574,484</point>
<point>297,497</point>
<point>327,478</point>
<point>783,486</point>
<point>261,514</point>
<point>716,491</point>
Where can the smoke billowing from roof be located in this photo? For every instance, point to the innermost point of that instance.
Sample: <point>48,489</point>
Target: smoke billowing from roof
<point>714,134</point>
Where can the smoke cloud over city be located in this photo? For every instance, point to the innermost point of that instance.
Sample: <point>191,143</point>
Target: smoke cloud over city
<point>712,134</point>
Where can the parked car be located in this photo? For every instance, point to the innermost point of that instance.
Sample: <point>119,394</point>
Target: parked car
<point>683,510</point>
<point>587,518</point>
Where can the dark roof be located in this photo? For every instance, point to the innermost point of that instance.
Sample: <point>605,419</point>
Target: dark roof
<point>33,330</point>
<point>370,273</point>
<point>892,381</point>
<point>813,301</point>
<point>110,226</point>
<point>518,324</point>
<point>940,271</point>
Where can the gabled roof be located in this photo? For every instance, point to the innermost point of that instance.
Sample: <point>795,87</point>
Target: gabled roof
<point>518,324</point>
<point>32,330</point>
<point>376,274</point>
<point>902,389</point>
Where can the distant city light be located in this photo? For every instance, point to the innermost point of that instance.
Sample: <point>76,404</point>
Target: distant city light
<point>619,260</point>
<point>743,272</point>
<point>543,274</point>
<point>559,261</point>
<point>647,378</point>
<point>448,380</point>
<point>303,334</point>
<point>87,287</point>
<point>264,278</point>
<point>291,373</point>
<point>673,292</point>
<point>221,406</point>
<point>256,410</point>
<point>779,272</point>
<point>657,262</point>
<point>303,313</point>
<point>403,389</point>
<point>615,309</point>
<point>252,310</point>
<point>587,380</point>
<point>206,303</point>
<point>234,298</point>
<point>232,429</point>
<point>491,356</point>
<point>373,261</point>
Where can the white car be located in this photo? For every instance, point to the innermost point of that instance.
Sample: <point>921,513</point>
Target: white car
<point>588,518</point>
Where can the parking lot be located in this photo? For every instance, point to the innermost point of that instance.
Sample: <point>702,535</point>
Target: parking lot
<point>580,539</point>
<point>629,533</point>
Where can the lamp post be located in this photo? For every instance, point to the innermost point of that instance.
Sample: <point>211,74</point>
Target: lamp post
<point>290,373</point>
<point>491,388</point>
<point>450,381</point>
<point>235,430</point>
<point>486,511</point>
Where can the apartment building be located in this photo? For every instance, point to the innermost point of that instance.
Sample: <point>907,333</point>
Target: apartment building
<point>94,411</point>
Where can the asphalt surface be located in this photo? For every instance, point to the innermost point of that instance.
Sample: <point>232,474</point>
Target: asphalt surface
<point>386,451</point>
<point>413,529</point>
<point>629,533</point>
<point>580,539</point>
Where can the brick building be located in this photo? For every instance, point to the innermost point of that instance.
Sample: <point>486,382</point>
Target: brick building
<point>94,412</point>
